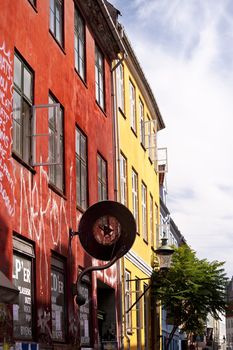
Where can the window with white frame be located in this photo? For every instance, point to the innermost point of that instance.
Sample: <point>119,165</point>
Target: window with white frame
<point>138,313</point>
<point>142,122</point>
<point>79,43</point>
<point>135,195</point>
<point>132,101</point>
<point>156,226</point>
<point>22,102</point>
<point>120,87</point>
<point>56,171</point>
<point>123,179</point>
<point>56,19</point>
<point>151,220</point>
<point>99,77</point>
<point>128,301</point>
<point>81,169</point>
<point>144,212</point>
<point>102,178</point>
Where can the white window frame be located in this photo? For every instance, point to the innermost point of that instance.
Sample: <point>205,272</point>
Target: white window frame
<point>123,180</point>
<point>128,301</point>
<point>152,220</point>
<point>120,87</point>
<point>135,195</point>
<point>132,100</point>
<point>56,169</point>
<point>144,212</point>
<point>142,123</point>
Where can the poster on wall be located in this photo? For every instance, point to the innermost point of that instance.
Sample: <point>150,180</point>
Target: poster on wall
<point>58,304</point>
<point>22,313</point>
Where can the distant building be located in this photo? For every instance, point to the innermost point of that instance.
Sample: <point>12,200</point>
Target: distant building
<point>169,230</point>
<point>229,317</point>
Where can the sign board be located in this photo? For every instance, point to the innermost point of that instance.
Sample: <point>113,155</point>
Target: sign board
<point>22,313</point>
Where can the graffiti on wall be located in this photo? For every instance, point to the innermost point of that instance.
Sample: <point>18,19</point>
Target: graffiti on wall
<point>7,182</point>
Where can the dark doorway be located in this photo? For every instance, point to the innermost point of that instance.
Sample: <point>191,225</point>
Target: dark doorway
<point>106,316</point>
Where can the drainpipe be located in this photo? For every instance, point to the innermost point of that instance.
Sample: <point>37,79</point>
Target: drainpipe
<point>116,171</point>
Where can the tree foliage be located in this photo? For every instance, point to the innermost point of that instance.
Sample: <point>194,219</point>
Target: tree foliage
<point>191,290</point>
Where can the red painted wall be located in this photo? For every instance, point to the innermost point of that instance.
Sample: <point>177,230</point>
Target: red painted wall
<point>28,206</point>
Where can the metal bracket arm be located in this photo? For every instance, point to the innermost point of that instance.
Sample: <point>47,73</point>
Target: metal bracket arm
<point>77,287</point>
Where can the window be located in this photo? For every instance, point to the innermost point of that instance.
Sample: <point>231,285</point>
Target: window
<point>81,169</point>
<point>128,301</point>
<point>58,301</point>
<point>142,123</point>
<point>56,171</point>
<point>151,221</point>
<point>22,102</point>
<point>56,19</point>
<point>23,279</point>
<point>102,178</point>
<point>79,44</point>
<point>135,195</point>
<point>132,97</point>
<point>144,212</point>
<point>123,179</point>
<point>99,77</point>
<point>120,87</point>
<point>138,313</point>
<point>85,313</point>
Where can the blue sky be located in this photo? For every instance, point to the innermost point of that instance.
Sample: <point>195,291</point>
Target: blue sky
<point>186,51</point>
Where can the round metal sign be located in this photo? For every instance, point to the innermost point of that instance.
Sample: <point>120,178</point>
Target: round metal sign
<point>107,229</point>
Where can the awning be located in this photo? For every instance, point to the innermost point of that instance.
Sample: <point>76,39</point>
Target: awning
<point>9,294</point>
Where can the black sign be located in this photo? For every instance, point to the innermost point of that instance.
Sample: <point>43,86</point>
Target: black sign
<point>22,313</point>
<point>58,304</point>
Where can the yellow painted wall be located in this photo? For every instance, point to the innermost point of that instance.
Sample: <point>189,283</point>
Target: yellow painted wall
<point>137,158</point>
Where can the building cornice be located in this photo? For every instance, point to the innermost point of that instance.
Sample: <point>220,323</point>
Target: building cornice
<point>139,263</point>
<point>141,80</point>
<point>102,25</point>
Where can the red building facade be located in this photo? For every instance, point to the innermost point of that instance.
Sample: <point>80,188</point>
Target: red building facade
<point>56,159</point>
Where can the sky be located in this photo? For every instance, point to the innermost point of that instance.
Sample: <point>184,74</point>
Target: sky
<point>185,48</point>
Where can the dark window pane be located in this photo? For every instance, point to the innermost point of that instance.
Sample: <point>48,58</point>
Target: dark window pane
<point>58,302</point>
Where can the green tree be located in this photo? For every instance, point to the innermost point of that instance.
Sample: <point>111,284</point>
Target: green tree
<point>190,290</point>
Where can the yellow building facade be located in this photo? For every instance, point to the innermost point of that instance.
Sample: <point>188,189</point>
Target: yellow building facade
<point>138,121</point>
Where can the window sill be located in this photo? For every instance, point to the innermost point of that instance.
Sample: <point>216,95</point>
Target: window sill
<point>56,190</point>
<point>81,209</point>
<point>57,42</point>
<point>102,110</point>
<point>134,132</point>
<point>33,6</point>
<point>22,162</point>
<point>82,80</point>
<point>122,112</point>
<point>143,147</point>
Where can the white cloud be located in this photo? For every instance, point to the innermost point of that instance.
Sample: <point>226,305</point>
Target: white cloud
<point>185,49</point>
